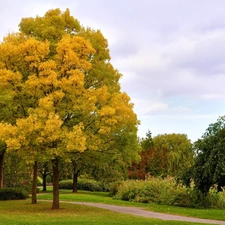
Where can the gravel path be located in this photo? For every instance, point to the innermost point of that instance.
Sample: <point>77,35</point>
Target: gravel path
<point>145,213</point>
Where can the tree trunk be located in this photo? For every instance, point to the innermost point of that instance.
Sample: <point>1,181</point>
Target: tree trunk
<point>1,168</point>
<point>34,184</point>
<point>75,177</point>
<point>55,167</point>
<point>44,176</point>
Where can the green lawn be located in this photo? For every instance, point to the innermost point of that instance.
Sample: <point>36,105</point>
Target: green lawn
<point>24,213</point>
<point>101,197</point>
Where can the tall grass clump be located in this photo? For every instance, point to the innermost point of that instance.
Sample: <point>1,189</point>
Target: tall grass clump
<point>166,192</point>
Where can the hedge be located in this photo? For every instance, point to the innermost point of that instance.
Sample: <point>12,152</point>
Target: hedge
<point>13,194</point>
<point>84,184</point>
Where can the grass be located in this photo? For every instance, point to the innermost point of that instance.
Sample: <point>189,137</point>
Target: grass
<point>102,197</point>
<point>24,213</point>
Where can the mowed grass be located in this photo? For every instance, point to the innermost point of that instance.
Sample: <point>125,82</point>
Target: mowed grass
<point>24,213</point>
<point>101,197</point>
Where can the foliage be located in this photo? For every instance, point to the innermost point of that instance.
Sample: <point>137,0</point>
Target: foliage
<point>157,190</point>
<point>12,194</point>
<point>109,168</point>
<point>16,172</point>
<point>149,165</point>
<point>84,184</point>
<point>166,192</point>
<point>91,185</point>
<point>147,142</point>
<point>176,153</point>
<point>52,27</point>
<point>114,187</point>
<point>209,167</point>
<point>66,184</point>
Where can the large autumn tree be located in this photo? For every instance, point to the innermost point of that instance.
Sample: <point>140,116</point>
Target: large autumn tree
<point>57,77</point>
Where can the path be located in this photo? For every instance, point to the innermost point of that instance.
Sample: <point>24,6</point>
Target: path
<point>145,213</point>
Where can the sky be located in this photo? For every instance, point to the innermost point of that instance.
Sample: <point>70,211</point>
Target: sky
<point>171,54</point>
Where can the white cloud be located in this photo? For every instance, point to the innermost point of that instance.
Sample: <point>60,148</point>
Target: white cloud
<point>213,96</point>
<point>180,109</point>
<point>157,108</point>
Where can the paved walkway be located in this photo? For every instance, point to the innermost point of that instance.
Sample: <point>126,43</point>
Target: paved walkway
<point>145,213</point>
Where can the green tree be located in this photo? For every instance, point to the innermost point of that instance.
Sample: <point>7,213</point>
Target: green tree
<point>209,167</point>
<point>147,142</point>
<point>67,93</point>
<point>174,153</point>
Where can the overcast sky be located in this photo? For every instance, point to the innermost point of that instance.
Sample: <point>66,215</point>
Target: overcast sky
<point>171,54</point>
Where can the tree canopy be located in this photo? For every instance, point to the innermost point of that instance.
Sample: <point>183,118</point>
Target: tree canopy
<point>209,167</point>
<point>175,151</point>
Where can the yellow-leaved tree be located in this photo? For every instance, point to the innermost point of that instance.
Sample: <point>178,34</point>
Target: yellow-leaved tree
<point>63,94</point>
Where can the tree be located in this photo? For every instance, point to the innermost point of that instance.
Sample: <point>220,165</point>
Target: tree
<point>175,152</point>
<point>209,167</point>
<point>67,93</point>
<point>147,142</point>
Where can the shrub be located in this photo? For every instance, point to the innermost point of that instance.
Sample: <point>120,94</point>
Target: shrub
<point>154,191</point>
<point>89,185</point>
<point>114,187</point>
<point>84,184</point>
<point>166,192</point>
<point>66,184</point>
<point>13,194</point>
<point>25,186</point>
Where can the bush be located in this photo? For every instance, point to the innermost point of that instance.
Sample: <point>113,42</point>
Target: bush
<point>166,192</point>
<point>66,184</point>
<point>114,187</point>
<point>155,191</point>
<point>89,185</point>
<point>83,184</point>
<point>13,194</point>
